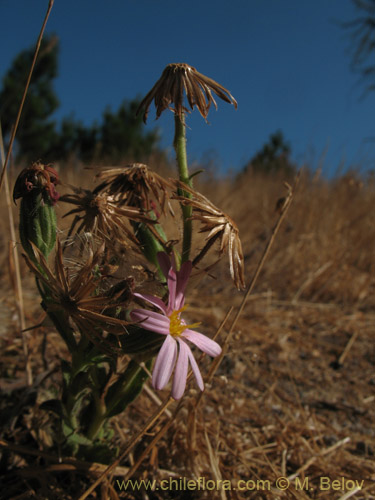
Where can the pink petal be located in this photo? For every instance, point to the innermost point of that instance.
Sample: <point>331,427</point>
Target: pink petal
<point>196,371</point>
<point>152,300</point>
<point>164,363</point>
<point>172,284</point>
<point>204,343</point>
<point>151,320</point>
<point>164,262</point>
<point>183,276</point>
<point>180,374</point>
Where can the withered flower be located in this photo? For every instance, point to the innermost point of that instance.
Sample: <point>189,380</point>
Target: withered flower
<point>37,178</point>
<point>77,296</point>
<point>134,185</point>
<point>101,215</point>
<point>168,92</point>
<point>218,225</point>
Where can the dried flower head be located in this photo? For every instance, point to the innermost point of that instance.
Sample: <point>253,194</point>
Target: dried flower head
<point>135,186</point>
<point>101,215</point>
<point>78,296</point>
<point>218,225</point>
<point>37,178</point>
<point>168,92</point>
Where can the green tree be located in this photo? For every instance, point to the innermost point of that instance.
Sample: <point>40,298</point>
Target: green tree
<point>122,134</point>
<point>273,157</point>
<point>119,136</point>
<point>75,140</point>
<point>36,132</point>
<point>363,41</point>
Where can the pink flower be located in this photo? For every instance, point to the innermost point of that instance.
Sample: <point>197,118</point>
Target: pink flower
<point>175,351</point>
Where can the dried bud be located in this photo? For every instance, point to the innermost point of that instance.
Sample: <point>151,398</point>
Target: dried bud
<point>37,179</point>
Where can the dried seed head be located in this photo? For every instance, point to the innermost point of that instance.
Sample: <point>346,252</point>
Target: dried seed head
<point>135,186</point>
<point>219,226</point>
<point>80,296</point>
<point>168,92</point>
<point>102,215</point>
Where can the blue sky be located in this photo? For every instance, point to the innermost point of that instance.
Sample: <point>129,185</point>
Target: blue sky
<point>286,62</point>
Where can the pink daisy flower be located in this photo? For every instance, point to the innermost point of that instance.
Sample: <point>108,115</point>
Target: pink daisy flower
<point>175,352</point>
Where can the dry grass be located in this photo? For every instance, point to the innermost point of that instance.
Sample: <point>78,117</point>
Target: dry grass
<point>293,397</point>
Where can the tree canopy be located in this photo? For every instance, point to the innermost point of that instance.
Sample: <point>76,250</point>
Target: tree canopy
<point>36,131</point>
<point>119,135</point>
<point>273,157</point>
<point>362,31</point>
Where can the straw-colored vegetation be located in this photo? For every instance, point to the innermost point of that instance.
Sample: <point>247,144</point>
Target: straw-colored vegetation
<point>293,397</point>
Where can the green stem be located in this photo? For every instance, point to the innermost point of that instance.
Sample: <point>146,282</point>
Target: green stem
<point>179,144</point>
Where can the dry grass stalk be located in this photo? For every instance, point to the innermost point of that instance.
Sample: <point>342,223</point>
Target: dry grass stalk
<point>15,268</point>
<point>348,346</point>
<point>283,212</point>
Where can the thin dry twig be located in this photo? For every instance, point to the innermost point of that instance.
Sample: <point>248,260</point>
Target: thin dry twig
<point>348,347</point>
<point>283,211</point>
<point>324,452</point>
<point>37,48</point>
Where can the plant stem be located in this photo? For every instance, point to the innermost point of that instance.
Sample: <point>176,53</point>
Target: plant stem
<point>179,144</point>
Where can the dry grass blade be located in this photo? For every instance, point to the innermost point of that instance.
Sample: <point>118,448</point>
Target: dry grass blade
<point>219,226</point>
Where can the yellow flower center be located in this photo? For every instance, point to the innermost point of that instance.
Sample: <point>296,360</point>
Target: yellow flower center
<point>176,325</point>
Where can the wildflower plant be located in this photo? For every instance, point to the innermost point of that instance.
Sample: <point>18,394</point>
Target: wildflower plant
<point>112,324</point>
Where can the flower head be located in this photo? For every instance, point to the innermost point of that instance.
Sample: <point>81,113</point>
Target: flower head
<point>175,352</point>
<point>169,90</point>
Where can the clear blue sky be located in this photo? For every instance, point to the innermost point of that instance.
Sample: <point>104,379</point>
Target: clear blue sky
<point>285,61</point>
